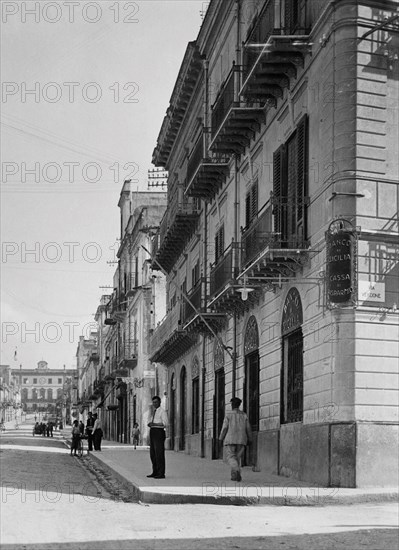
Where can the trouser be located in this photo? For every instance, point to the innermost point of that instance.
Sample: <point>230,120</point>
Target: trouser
<point>90,439</point>
<point>157,451</point>
<point>97,437</point>
<point>234,454</point>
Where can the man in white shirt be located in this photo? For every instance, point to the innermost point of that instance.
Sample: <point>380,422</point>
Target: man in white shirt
<point>157,439</point>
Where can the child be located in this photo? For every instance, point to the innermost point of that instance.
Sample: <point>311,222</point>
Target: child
<point>75,437</point>
<point>136,434</point>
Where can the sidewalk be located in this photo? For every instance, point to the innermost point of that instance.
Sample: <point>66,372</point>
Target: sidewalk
<point>190,479</point>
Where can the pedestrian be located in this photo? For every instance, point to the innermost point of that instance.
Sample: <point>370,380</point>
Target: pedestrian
<point>50,427</point>
<point>136,434</point>
<point>236,433</point>
<point>157,439</point>
<point>89,430</point>
<point>97,433</point>
<point>75,437</point>
<point>81,428</point>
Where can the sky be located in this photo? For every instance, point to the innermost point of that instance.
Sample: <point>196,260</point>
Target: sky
<point>85,88</point>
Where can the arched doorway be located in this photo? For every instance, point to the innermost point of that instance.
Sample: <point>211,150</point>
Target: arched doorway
<point>172,412</point>
<point>218,400</point>
<point>291,388</point>
<point>251,384</point>
<point>183,408</point>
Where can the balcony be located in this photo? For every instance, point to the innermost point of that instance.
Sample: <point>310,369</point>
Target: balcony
<point>198,318</point>
<point>224,285</point>
<point>234,122</point>
<point>206,171</point>
<point>169,341</point>
<point>276,46</point>
<point>127,358</point>
<point>177,227</point>
<point>273,244</point>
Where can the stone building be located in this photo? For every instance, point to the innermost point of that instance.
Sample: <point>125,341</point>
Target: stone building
<point>280,238</point>
<point>125,379</point>
<point>43,389</point>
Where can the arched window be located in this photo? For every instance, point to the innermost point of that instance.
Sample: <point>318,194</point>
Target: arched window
<point>219,399</point>
<point>50,394</point>
<point>34,394</point>
<point>24,394</point>
<point>251,381</point>
<point>291,403</point>
<point>43,393</point>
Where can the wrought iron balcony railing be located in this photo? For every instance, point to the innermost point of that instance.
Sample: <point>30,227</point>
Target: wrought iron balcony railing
<point>234,121</point>
<point>206,171</point>
<point>225,270</point>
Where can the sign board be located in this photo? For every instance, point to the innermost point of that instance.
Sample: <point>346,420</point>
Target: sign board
<point>371,292</point>
<point>149,374</point>
<point>341,264</point>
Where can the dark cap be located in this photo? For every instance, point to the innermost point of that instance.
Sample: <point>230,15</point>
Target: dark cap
<point>236,402</point>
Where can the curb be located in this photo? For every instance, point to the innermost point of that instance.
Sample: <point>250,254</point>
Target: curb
<point>278,498</point>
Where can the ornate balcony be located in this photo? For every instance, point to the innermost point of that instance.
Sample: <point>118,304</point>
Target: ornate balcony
<point>224,285</point>
<point>273,246</point>
<point>275,47</point>
<point>170,341</point>
<point>177,227</point>
<point>234,121</point>
<point>206,171</point>
<point>199,318</point>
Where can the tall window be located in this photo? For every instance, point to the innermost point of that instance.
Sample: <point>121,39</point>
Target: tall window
<point>50,394</point>
<point>290,188</point>
<point>196,407</point>
<point>219,243</point>
<point>251,381</point>
<point>251,204</point>
<point>195,396</point>
<point>195,274</point>
<point>292,360</point>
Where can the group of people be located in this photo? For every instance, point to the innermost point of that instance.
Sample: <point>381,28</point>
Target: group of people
<point>93,431</point>
<point>44,429</point>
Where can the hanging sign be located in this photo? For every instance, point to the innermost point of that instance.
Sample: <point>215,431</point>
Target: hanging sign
<point>341,264</point>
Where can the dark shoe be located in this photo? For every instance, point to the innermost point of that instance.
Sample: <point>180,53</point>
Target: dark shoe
<point>151,475</point>
<point>159,477</point>
<point>239,477</point>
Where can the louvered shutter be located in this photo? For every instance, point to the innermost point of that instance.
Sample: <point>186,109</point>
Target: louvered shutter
<point>277,188</point>
<point>302,154</point>
<point>254,201</point>
<point>247,209</point>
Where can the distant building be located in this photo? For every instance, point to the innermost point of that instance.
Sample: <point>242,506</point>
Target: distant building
<point>43,388</point>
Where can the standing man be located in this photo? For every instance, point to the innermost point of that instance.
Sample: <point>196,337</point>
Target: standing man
<point>97,433</point>
<point>157,439</point>
<point>235,434</point>
<point>89,430</point>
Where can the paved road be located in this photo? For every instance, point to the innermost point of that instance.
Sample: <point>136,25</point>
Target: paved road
<point>53,501</point>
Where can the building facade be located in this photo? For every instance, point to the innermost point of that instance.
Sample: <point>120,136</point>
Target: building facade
<point>119,380</point>
<point>280,238</point>
<point>43,390</point>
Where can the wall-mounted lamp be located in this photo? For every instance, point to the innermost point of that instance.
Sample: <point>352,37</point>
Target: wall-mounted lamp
<point>245,290</point>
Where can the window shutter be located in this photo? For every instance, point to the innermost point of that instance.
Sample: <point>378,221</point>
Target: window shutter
<point>302,154</point>
<point>254,201</point>
<point>247,209</point>
<point>277,188</point>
